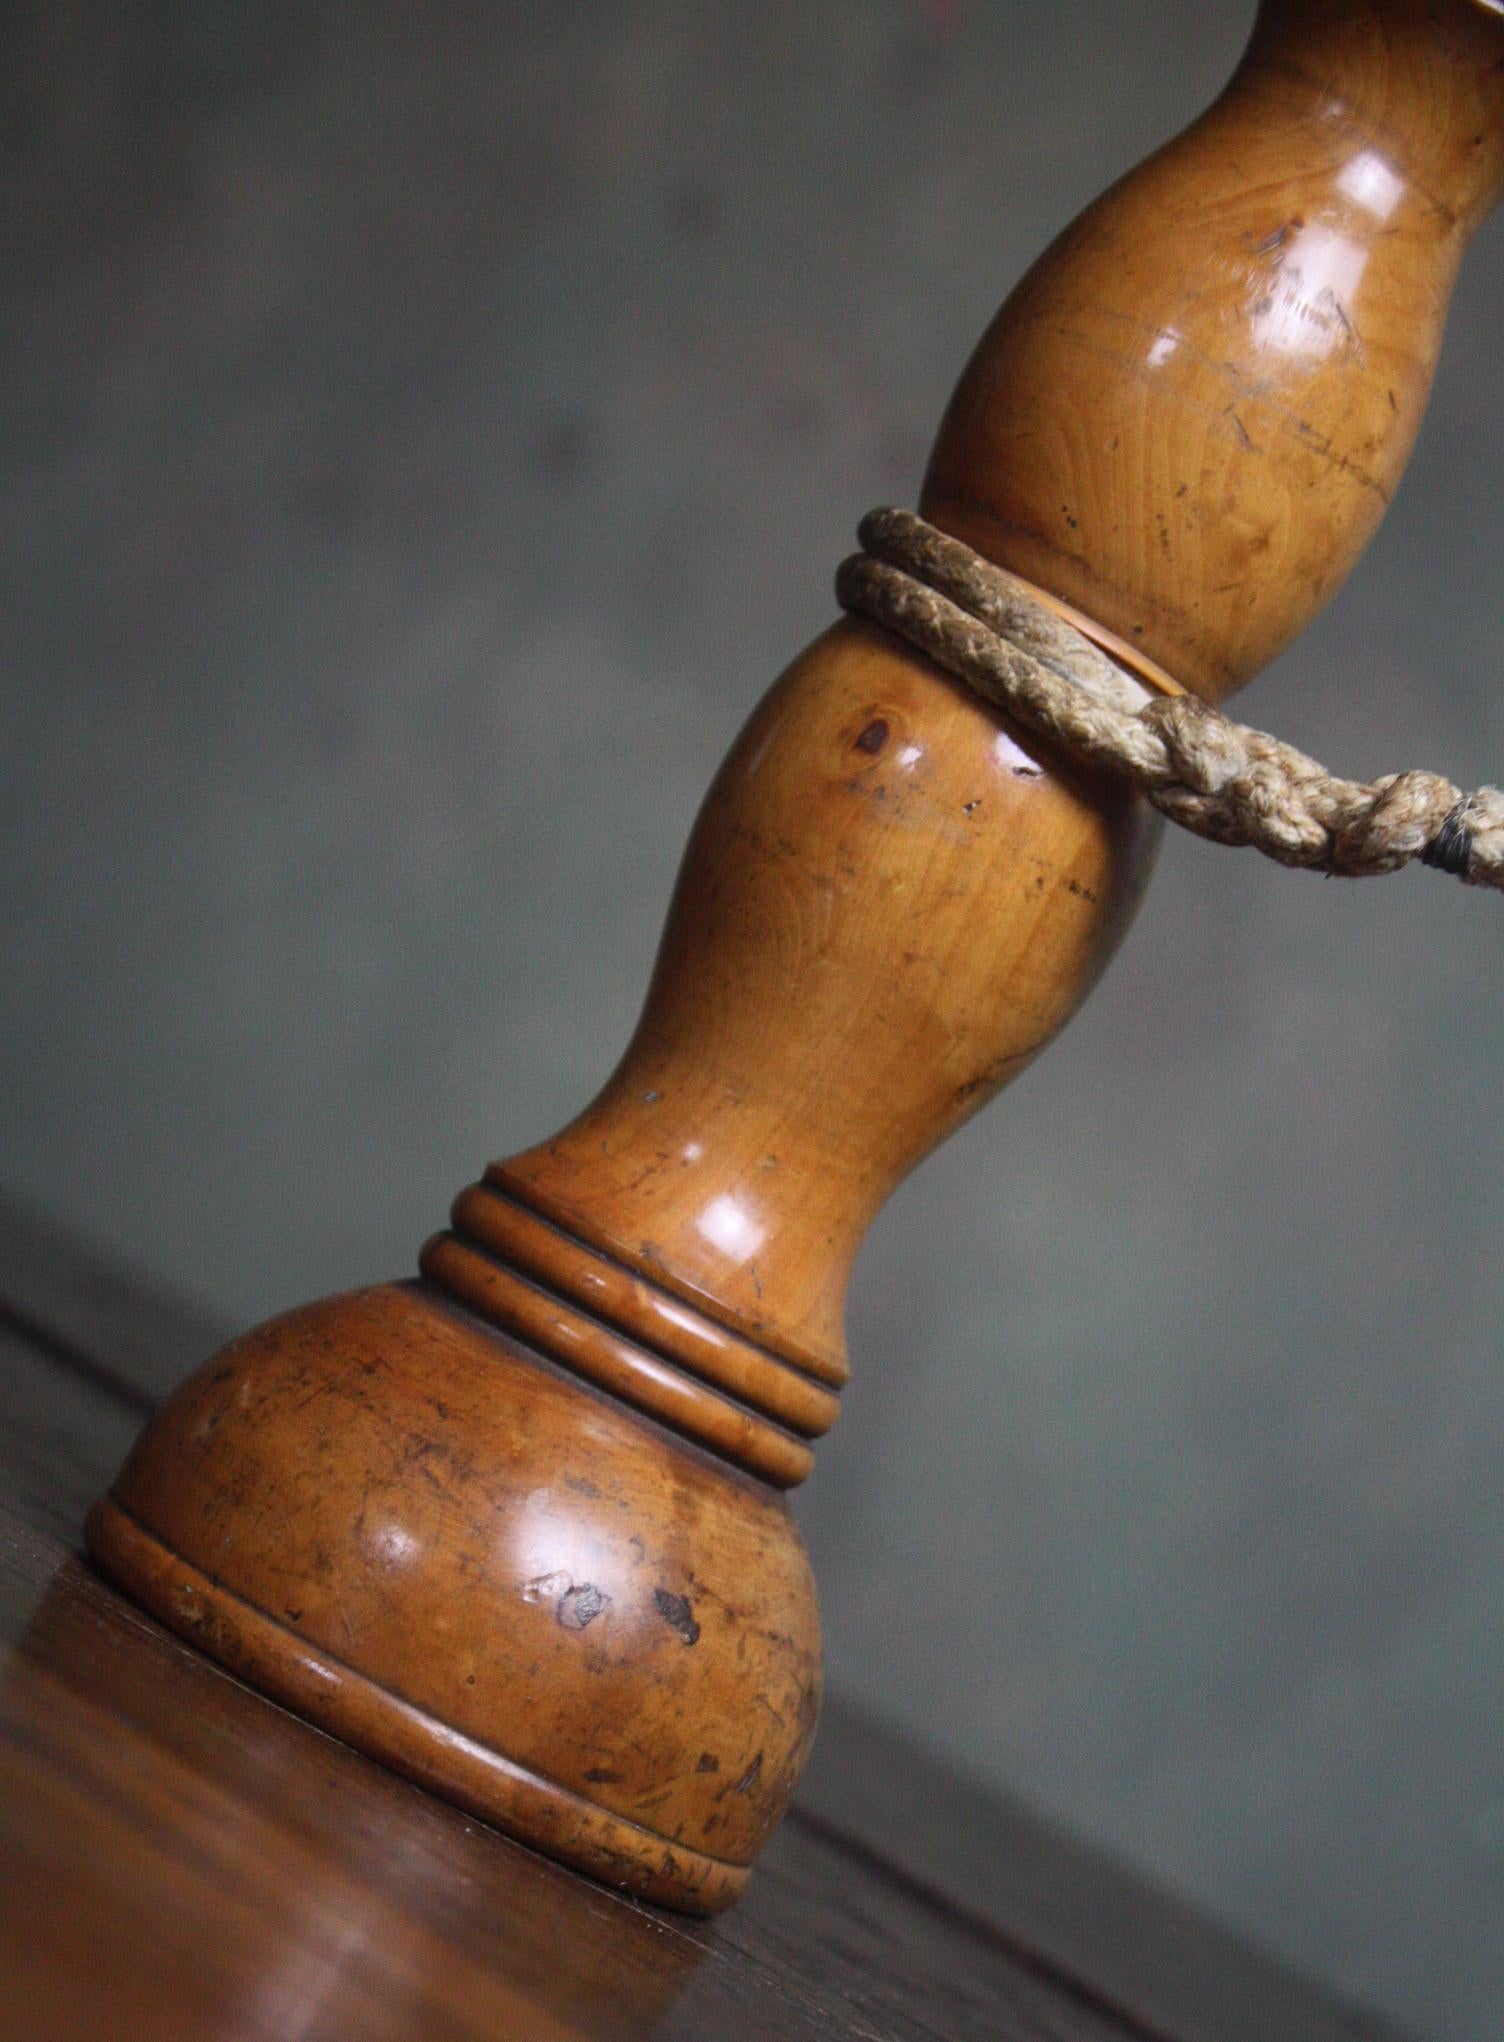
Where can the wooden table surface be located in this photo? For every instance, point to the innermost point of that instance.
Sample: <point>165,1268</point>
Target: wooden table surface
<point>182,1858</point>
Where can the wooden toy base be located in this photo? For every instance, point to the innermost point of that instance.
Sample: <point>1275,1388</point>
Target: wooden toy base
<point>316,1685</point>
<point>404,1526</point>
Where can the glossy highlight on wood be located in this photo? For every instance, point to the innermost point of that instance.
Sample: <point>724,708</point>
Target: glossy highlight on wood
<point>888,906</point>
<point>462,1534</point>
<point>1192,413</point>
<point>517,1529</point>
<point>179,1861</point>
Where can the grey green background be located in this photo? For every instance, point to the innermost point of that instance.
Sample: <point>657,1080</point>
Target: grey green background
<point>426,430</point>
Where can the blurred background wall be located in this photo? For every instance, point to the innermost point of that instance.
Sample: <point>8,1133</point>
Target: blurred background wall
<point>426,430</point>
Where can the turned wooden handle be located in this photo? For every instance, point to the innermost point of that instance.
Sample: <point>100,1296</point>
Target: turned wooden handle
<point>517,1529</point>
<point>1185,422</point>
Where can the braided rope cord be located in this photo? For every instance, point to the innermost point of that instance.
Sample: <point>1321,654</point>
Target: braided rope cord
<point>1215,777</point>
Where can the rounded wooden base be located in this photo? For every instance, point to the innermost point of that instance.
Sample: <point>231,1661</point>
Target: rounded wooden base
<point>318,1686</point>
<point>489,1576</point>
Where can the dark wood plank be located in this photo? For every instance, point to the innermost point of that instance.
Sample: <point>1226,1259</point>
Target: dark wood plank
<point>1154,1958</point>
<point>899,1899</point>
<point>183,1852</point>
<point>176,1845</point>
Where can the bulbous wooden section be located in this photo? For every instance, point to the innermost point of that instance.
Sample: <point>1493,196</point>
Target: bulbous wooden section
<point>1190,416</point>
<point>475,1568</point>
<point>887,908</point>
<point>517,1530</point>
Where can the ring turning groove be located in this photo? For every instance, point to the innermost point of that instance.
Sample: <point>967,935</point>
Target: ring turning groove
<point>600,1320</point>
<point>517,1529</point>
<point>376,1719</point>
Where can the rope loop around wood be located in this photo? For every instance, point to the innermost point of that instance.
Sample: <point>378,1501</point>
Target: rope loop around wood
<point>1217,778</point>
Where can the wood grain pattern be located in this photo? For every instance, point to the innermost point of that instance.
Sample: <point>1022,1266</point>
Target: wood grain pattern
<point>438,1565</point>
<point>888,906</point>
<point>203,1864</point>
<point>181,1853</point>
<point>517,1530</point>
<point>1189,418</point>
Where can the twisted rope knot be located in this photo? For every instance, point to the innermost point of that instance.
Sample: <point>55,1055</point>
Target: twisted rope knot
<point>1220,779</point>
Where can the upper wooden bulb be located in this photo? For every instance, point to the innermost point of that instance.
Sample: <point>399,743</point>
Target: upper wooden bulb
<point>1192,413</point>
<point>1186,422</point>
<point>515,1529</point>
